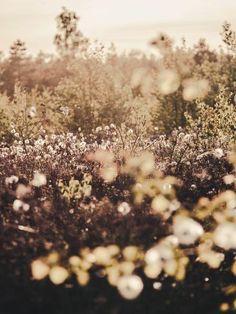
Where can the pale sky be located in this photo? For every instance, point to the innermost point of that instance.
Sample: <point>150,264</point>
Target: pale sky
<point>128,23</point>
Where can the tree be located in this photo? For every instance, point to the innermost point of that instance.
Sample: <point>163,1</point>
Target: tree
<point>69,40</point>
<point>17,51</point>
<point>14,67</point>
<point>17,59</point>
<point>229,37</point>
<point>203,53</point>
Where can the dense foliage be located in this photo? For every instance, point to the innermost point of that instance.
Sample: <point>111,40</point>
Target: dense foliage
<point>120,169</point>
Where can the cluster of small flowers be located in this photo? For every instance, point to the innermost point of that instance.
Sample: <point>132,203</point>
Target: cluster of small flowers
<point>115,263</point>
<point>188,235</point>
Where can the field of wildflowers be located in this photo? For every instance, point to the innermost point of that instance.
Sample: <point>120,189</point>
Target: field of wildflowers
<point>118,182</point>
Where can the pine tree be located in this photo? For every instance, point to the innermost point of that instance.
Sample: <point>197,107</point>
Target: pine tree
<point>69,40</point>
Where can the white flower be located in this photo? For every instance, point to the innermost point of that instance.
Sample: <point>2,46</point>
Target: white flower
<point>32,112</point>
<point>58,275</point>
<point>124,208</point>
<point>39,179</point>
<point>39,269</point>
<point>109,173</point>
<point>165,249</point>
<point>26,207</point>
<point>39,142</point>
<point>229,179</point>
<point>11,180</point>
<point>65,110</point>
<point>194,89</point>
<point>153,270</point>
<point>157,285</point>
<point>160,204</point>
<point>17,205</point>
<point>153,262</point>
<point>102,255</point>
<point>168,82</point>
<point>224,235</point>
<point>186,230</point>
<point>207,255</point>
<point>219,152</point>
<point>130,286</point>
<point>152,256</point>
<point>82,144</point>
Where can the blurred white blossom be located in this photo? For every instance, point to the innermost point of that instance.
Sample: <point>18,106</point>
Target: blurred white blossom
<point>187,230</point>
<point>39,179</point>
<point>224,235</point>
<point>195,89</point>
<point>168,81</point>
<point>130,286</point>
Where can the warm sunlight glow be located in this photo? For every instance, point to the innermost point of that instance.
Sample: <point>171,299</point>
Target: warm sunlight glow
<point>127,23</point>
